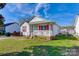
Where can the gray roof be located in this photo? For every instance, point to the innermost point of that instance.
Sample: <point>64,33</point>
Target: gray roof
<point>9,24</point>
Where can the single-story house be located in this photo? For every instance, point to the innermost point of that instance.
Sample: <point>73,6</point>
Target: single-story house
<point>12,27</point>
<point>39,27</point>
<point>63,31</point>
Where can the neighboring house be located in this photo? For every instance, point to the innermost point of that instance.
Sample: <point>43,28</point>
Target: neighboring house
<point>39,27</point>
<point>67,30</point>
<point>63,31</point>
<point>12,27</point>
<point>77,25</point>
<point>71,31</point>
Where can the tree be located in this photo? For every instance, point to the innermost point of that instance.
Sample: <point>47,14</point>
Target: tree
<point>2,5</point>
<point>1,20</point>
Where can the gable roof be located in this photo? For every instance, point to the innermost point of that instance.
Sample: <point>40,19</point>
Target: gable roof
<point>39,19</point>
<point>38,22</point>
<point>28,20</point>
<point>10,24</point>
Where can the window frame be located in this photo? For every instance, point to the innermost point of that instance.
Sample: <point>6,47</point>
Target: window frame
<point>24,28</point>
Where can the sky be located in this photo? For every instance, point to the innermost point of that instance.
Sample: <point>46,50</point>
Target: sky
<point>63,14</point>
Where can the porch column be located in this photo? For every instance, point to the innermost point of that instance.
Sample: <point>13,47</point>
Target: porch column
<point>50,33</point>
<point>31,30</point>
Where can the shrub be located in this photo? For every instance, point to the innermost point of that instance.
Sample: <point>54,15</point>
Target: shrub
<point>8,34</point>
<point>65,36</point>
<point>1,32</point>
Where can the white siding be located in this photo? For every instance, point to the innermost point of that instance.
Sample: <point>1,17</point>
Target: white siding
<point>41,32</point>
<point>13,27</point>
<point>77,26</point>
<point>51,32</point>
<point>63,31</point>
<point>56,29</point>
<point>71,31</point>
<point>27,33</point>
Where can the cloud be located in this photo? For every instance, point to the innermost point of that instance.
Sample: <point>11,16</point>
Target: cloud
<point>27,8</point>
<point>14,7</point>
<point>28,11</point>
<point>61,16</point>
<point>45,9</point>
<point>51,9</point>
<point>19,6</point>
<point>37,8</point>
<point>20,9</point>
<point>10,7</point>
<point>34,9</point>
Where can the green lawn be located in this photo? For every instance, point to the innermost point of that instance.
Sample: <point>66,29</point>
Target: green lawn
<point>21,46</point>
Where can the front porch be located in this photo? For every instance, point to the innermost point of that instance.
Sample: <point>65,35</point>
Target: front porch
<point>41,29</point>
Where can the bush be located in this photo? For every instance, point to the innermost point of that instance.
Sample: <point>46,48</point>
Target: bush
<point>8,34</point>
<point>65,36</point>
<point>1,32</point>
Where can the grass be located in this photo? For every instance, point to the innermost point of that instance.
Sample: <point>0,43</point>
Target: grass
<point>22,46</point>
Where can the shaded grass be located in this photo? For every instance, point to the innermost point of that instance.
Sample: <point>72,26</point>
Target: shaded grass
<point>45,51</point>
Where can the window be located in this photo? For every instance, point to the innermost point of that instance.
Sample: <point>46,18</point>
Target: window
<point>24,28</point>
<point>34,27</point>
<point>43,27</point>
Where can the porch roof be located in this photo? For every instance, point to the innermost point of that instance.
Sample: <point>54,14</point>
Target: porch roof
<point>41,22</point>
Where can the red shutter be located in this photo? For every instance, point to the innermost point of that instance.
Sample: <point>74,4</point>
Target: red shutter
<point>39,27</point>
<point>47,27</point>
